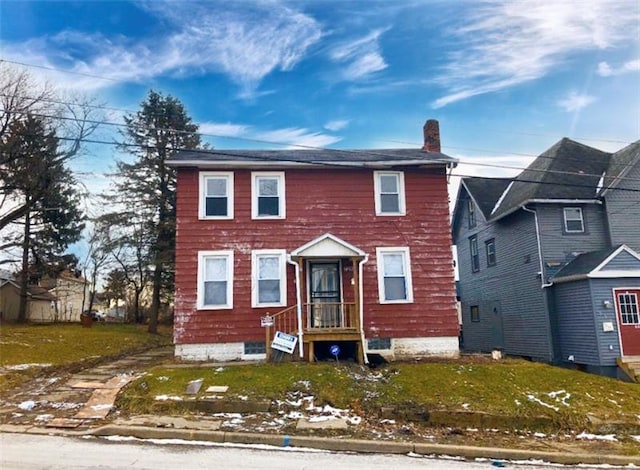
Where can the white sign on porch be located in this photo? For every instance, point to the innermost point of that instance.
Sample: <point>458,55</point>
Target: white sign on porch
<point>266,321</point>
<point>284,342</point>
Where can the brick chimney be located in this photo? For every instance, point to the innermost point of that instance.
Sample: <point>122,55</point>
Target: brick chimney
<point>431,131</point>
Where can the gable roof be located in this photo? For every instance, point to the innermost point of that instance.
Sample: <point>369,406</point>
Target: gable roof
<point>568,170</point>
<point>485,193</point>
<point>35,292</point>
<point>317,158</point>
<point>591,264</point>
<point>620,164</point>
<point>327,246</point>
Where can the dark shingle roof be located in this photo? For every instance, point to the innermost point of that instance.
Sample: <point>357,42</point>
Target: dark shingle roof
<point>619,165</point>
<point>584,263</point>
<point>356,158</point>
<point>486,191</point>
<point>567,170</point>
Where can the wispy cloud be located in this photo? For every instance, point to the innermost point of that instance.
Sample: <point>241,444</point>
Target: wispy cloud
<point>504,43</point>
<point>361,56</point>
<point>245,44</point>
<point>575,102</point>
<point>337,125</point>
<point>605,70</point>
<point>288,137</point>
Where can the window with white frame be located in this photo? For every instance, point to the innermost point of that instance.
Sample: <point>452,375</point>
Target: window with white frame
<point>389,192</point>
<point>490,246</point>
<point>268,195</point>
<point>215,279</point>
<point>394,275</point>
<point>216,195</point>
<point>269,278</point>
<point>628,303</point>
<point>573,221</point>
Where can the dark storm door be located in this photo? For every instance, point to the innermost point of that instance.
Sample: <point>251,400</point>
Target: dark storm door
<point>628,311</point>
<point>325,295</point>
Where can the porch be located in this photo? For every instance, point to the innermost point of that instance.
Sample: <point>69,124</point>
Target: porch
<point>328,292</point>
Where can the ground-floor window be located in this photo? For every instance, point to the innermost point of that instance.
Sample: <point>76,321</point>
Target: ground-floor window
<point>394,275</point>
<point>215,279</point>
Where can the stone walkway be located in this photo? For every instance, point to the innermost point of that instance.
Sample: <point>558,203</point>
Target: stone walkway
<point>67,400</point>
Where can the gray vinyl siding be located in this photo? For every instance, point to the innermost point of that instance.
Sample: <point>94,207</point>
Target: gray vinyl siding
<point>623,211</point>
<point>559,248</point>
<point>623,262</point>
<point>511,286</point>
<point>575,323</point>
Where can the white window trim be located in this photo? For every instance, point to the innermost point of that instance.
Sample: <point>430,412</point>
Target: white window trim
<point>564,216</point>
<point>401,194</point>
<point>255,254</point>
<point>202,255</point>
<point>202,195</point>
<point>406,257</point>
<point>281,195</point>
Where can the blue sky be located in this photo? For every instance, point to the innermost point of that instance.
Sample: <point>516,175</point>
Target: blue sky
<point>506,79</point>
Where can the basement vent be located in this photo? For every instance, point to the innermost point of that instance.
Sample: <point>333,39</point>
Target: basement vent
<point>257,347</point>
<point>375,344</point>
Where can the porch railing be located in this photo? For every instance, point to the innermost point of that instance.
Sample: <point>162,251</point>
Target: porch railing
<point>321,316</point>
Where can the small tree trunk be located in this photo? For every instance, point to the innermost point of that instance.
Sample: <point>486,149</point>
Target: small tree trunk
<point>24,276</point>
<point>155,299</point>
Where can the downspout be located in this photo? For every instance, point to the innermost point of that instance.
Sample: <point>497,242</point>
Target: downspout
<point>298,304</point>
<point>361,306</point>
<point>535,216</point>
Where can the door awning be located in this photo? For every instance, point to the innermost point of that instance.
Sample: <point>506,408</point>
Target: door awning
<point>327,246</point>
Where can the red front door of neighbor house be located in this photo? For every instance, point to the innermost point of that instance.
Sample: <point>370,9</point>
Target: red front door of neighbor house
<point>628,311</point>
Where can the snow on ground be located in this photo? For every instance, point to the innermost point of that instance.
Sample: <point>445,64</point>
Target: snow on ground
<point>597,437</point>
<point>25,366</point>
<point>168,397</point>
<point>27,405</point>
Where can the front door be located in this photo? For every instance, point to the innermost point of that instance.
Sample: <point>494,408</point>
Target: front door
<point>628,311</point>
<point>325,294</point>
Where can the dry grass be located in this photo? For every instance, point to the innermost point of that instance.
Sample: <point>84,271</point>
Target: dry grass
<point>512,388</point>
<point>58,345</point>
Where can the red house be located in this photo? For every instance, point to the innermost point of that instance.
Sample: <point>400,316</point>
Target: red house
<point>334,247</point>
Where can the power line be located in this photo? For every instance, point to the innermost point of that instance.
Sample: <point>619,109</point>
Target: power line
<point>60,70</point>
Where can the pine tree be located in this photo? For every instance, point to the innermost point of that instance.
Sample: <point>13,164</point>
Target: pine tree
<point>147,186</point>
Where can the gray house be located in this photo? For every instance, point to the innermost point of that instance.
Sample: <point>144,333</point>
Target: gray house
<point>548,261</point>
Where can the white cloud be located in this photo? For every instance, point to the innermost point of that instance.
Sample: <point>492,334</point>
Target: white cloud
<point>362,56</point>
<point>223,129</point>
<point>298,137</point>
<point>504,43</point>
<point>246,45</point>
<point>337,125</point>
<point>575,102</point>
<point>605,70</point>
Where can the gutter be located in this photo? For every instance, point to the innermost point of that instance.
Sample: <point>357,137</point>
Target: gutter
<point>361,306</point>
<point>298,304</point>
<point>535,216</point>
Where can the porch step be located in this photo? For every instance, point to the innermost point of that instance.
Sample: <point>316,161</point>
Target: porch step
<point>631,366</point>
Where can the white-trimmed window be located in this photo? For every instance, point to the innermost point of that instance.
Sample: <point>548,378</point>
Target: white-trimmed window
<point>394,275</point>
<point>215,280</point>
<point>573,221</point>
<point>389,192</point>
<point>216,195</point>
<point>473,250</point>
<point>268,195</point>
<point>269,278</point>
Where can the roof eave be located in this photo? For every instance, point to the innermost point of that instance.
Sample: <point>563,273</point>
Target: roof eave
<point>227,164</point>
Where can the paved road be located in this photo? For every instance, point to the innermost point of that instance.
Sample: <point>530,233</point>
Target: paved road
<point>22,451</point>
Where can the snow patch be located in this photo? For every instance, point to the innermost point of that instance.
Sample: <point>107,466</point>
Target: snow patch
<point>27,405</point>
<point>597,437</point>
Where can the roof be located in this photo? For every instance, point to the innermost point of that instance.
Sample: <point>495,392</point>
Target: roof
<point>35,292</point>
<point>486,192</point>
<point>620,164</point>
<point>588,264</point>
<point>372,158</point>
<point>568,170</point>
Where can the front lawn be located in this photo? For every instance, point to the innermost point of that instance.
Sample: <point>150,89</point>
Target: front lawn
<point>26,348</point>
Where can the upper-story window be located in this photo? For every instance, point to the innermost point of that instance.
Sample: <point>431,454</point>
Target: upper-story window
<point>215,279</point>
<point>389,192</point>
<point>475,258</point>
<point>216,195</point>
<point>490,246</point>
<point>471,209</point>
<point>394,275</point>
<point>267,195</point>
<point>269,278</point>
<point>573,220</point>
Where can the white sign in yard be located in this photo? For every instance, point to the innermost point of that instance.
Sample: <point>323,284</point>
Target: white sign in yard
<point>266,321</point>
<point>284,342</point>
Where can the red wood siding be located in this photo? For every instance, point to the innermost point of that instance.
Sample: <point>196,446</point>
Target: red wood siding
<point>319,201</point>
